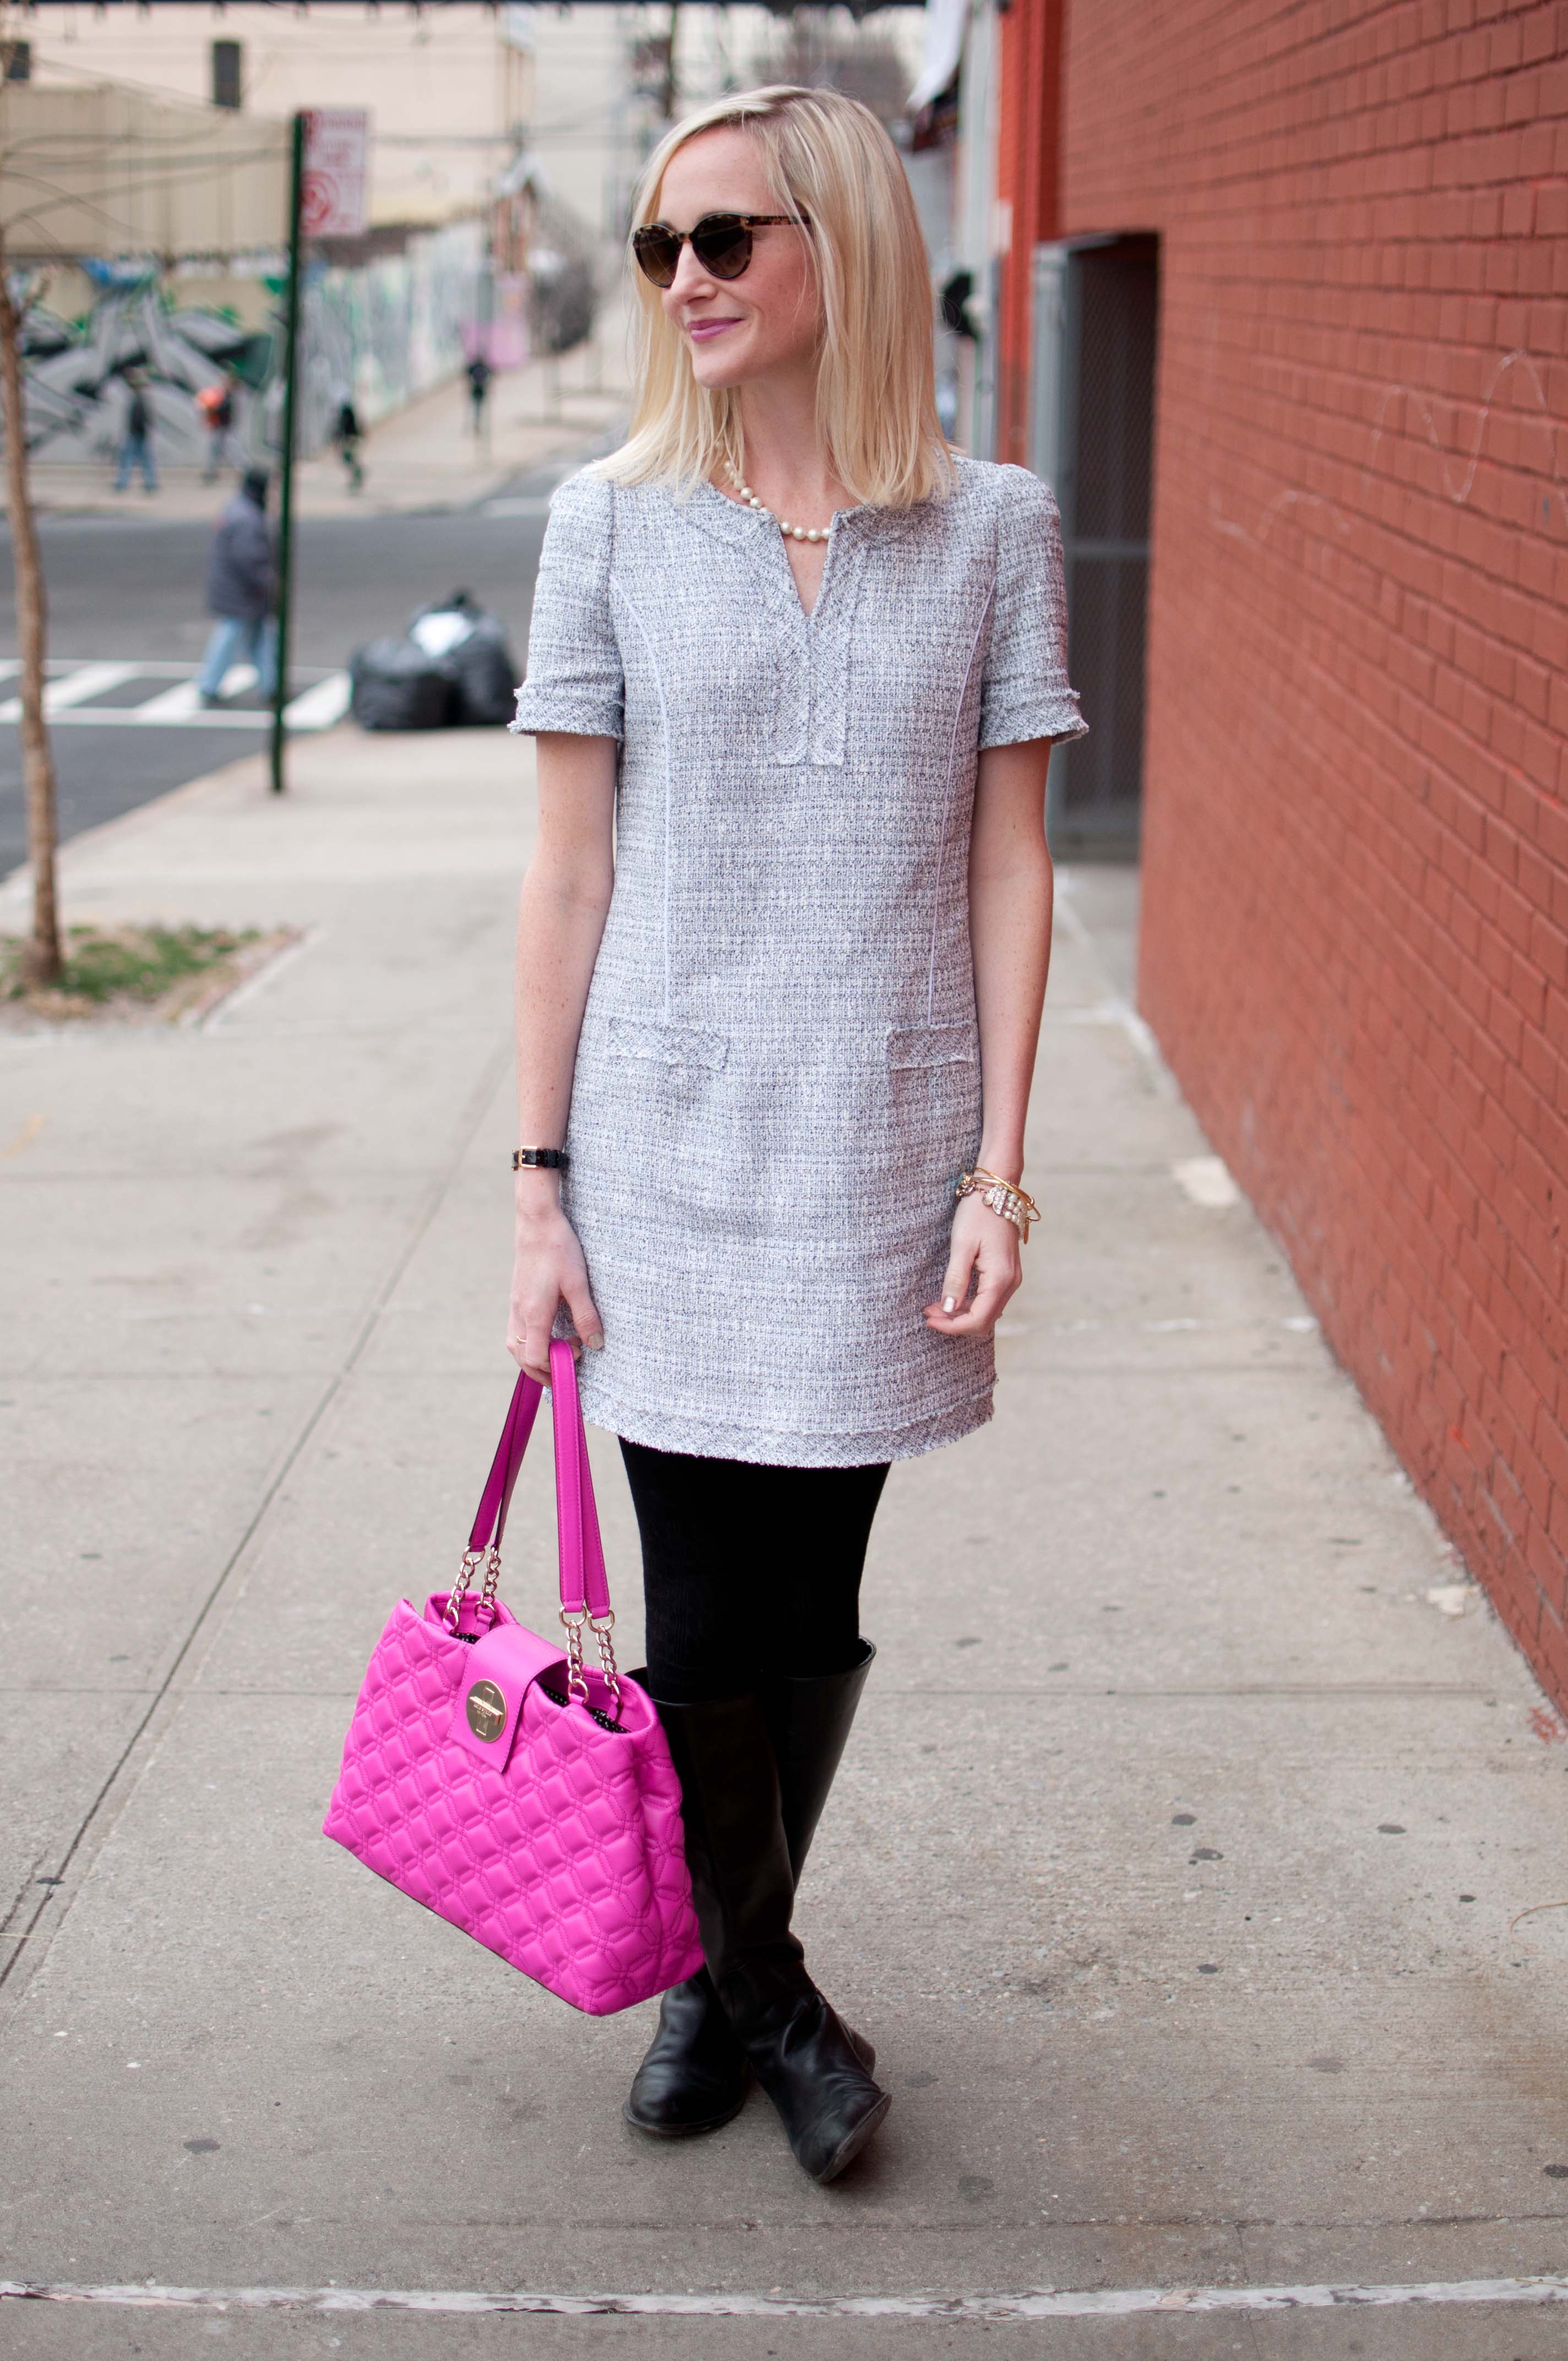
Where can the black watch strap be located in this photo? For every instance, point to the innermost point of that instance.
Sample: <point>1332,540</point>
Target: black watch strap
<point>547,1160</point>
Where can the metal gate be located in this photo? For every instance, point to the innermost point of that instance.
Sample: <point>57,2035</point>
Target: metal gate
<point>1096,304</point>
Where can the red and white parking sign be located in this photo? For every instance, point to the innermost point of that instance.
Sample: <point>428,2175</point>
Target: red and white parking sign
<point>336,169</point>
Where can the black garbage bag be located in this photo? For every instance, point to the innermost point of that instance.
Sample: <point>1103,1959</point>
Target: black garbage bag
<point>395,686</point>
<point>470,646</point>
<point>484,675</point>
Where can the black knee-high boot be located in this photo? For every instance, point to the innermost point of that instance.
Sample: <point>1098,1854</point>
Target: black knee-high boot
<point>809,1720</point>
<point>744,1890</point>
<point>695,2074</point>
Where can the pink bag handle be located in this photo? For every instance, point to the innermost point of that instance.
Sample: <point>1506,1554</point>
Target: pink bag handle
<point>499,1484</point>
<point>585,1586</point>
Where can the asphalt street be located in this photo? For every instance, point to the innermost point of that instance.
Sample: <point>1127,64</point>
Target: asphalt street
<point>131,586</point>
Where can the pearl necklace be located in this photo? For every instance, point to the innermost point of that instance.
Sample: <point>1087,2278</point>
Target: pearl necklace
<point>790,531</point>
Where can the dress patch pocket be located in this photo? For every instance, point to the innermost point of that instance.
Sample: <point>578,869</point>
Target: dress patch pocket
<point>663,1044</point>
<point>932,1045</point>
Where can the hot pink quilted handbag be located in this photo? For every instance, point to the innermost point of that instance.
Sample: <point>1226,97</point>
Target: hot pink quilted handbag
<point>530,1801</point>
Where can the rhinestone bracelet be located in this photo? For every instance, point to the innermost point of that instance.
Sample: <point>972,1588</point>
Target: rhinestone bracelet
<point>1014,1205</point>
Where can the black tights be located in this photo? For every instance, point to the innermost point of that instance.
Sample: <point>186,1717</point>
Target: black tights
<point>748,1570</point>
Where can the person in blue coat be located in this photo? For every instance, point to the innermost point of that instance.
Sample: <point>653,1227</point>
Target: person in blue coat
<point>242,591</point>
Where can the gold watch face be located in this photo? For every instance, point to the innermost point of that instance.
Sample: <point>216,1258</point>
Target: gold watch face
<point>487,1711</point>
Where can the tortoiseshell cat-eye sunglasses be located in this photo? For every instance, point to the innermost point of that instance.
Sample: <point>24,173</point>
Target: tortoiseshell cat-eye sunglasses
<point>721,243</point>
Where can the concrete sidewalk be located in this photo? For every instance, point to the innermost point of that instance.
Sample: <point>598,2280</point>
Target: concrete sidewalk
<point>422,459</point>
<point>1176,1864</point>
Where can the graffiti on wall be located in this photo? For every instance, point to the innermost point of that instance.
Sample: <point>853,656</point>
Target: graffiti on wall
<point>384,331</point>
<point>390,328</point>
<point>79,373</point>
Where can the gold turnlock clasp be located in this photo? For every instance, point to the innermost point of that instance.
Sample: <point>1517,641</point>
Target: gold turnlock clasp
<point>486,1710</point>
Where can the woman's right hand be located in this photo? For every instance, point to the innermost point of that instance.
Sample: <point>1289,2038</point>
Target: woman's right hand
<point>547,1272</point>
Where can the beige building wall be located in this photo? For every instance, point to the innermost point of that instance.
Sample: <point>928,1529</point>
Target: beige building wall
<point>592,126</point>
<point>583,129</point>
<point>443,88</point>
<point>447,89</point>
<point>100,168</point>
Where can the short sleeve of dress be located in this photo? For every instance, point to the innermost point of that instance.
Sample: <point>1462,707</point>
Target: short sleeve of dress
<point>1023,689</point>
<point>574,680</point>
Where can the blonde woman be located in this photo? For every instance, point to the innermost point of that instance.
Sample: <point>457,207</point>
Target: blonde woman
<point>794,671</point>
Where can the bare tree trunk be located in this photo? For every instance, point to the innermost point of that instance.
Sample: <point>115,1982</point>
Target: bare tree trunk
<point>42,960</point>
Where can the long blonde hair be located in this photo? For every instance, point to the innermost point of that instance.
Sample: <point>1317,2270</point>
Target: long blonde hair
<point>828,157</point>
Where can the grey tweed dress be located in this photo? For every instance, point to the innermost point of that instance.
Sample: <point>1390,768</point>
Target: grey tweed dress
<point>778,1075</point>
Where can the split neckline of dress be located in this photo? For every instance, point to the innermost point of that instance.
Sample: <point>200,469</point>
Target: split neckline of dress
<point>742,508</point>
<point>712,506</point>
<point>752,529</point>
<point>744,528</point>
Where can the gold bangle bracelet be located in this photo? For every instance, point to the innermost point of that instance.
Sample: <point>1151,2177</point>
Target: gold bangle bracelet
<point>1014,1204</point>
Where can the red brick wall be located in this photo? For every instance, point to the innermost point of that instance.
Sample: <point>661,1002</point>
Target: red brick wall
<point>1356,919</point>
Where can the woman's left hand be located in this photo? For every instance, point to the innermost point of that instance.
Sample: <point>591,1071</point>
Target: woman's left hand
<point>986,1251</point>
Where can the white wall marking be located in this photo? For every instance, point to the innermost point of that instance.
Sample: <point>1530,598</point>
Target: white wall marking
<point>1206,1180</point>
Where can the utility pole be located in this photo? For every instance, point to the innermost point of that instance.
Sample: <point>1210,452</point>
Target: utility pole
<point>286,470</point>
<point>671,93</point>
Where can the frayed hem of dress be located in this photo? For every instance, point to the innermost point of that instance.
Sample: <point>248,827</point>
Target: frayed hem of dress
<point>701,1438</point>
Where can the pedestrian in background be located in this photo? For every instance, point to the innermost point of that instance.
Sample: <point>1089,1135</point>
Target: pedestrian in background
<point>346,434</point>
<point>478,374</point>
<point>795,668</point>
<point>136,436</point>
<point>242,590</point>
<point>215,403</point>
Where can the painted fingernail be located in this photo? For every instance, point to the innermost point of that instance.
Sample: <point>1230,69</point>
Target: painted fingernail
<point>950,1303</point>
<point>594,1342</point>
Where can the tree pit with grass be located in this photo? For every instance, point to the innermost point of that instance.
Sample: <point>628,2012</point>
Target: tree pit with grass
<point>146,972</point>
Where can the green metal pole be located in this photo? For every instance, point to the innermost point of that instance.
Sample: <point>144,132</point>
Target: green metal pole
<point>286,470</point>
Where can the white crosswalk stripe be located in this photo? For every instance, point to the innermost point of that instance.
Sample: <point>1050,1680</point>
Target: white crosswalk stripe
<point>72,691</point>
<point>87,682</point>
<point>75,688</point>
<point>180,703</point>
<point>319,708</point>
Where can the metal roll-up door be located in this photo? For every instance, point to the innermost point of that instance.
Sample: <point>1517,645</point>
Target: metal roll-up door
<point>1095,331</point>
